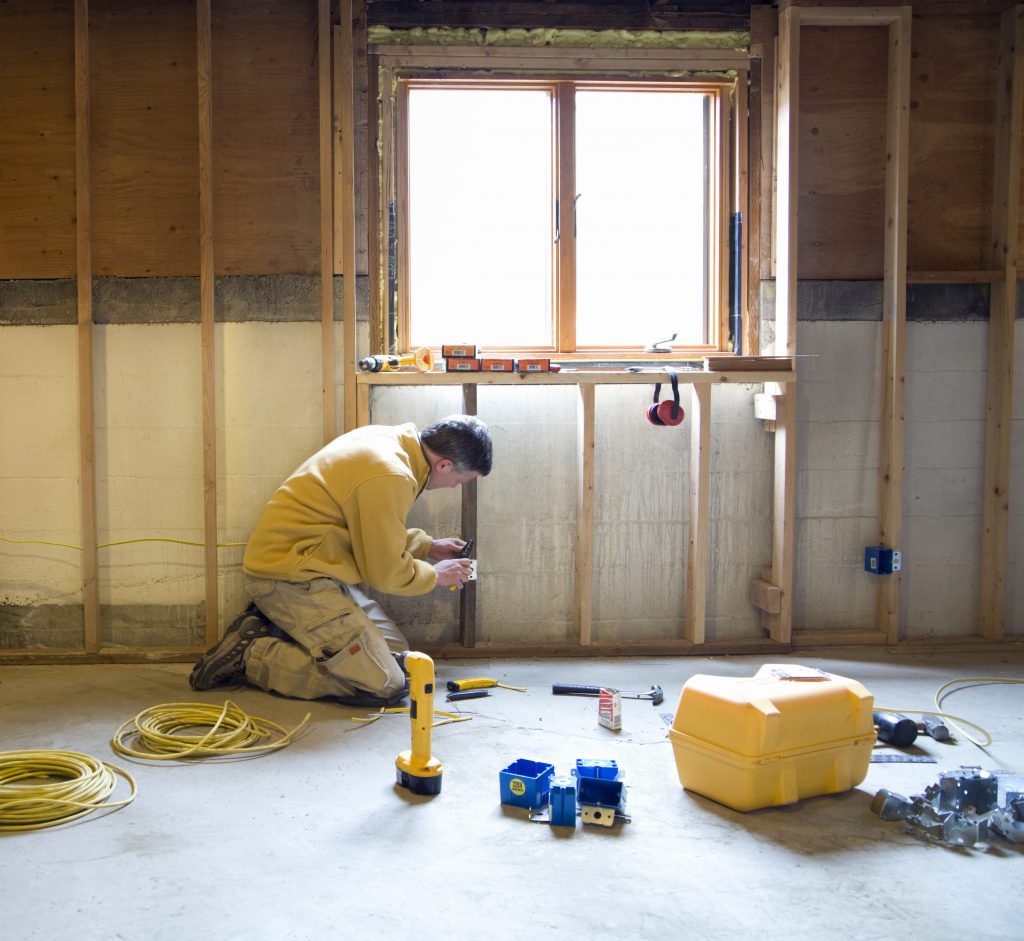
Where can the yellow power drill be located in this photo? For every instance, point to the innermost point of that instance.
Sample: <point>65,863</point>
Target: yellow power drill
<point>417,769</point>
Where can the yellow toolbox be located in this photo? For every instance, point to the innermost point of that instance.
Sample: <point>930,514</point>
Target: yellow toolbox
<point>786,733</point>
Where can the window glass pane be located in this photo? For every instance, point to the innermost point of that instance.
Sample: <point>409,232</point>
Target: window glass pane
<point>641,208</point>
<point>480,217</point>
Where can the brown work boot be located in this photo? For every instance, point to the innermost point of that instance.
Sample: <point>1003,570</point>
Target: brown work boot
<point>224,663</point>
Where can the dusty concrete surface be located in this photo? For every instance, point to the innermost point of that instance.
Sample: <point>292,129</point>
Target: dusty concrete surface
<point>315,841</point>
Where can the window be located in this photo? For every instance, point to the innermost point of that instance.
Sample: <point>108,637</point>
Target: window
<point>559,215</point>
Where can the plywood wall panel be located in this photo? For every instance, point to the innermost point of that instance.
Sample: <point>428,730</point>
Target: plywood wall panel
<point>144,147</point>
<point>843,75</point>
<point>952,114</point>
<point>265,137</point>
<point>37,139</point>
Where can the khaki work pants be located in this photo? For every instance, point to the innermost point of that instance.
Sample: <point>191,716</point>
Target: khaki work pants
<point>339,641</point>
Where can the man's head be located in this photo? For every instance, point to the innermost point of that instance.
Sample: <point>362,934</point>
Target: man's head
<point>458,449</point>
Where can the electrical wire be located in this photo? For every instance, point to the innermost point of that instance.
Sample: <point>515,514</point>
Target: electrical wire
<point>41,789</point>
<point>957,721</point>
<point>945,691</point>
<point>120,542</point>
<point>173,731</point>
<point>449,717</point>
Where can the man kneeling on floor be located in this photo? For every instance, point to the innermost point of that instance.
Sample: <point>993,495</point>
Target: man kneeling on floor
<point>336,525</point>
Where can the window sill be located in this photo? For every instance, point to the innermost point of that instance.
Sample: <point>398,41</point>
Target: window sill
<point>572,376</point>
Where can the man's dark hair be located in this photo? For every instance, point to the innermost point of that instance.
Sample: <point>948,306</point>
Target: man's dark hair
<point>464,440</point>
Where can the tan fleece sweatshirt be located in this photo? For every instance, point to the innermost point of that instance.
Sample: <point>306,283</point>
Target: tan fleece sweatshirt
<point>342,514</point>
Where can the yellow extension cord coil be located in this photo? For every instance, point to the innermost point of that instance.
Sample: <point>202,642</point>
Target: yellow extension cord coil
<point>175,731</point>
<point>45,788</point>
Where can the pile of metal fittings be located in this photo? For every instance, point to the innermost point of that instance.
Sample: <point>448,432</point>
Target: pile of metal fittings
<point>964,808</point>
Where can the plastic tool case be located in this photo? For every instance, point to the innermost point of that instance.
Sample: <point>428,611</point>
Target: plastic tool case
<point>786,733</point>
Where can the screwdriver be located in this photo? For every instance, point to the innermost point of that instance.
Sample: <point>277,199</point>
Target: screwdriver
<point>480,682</point>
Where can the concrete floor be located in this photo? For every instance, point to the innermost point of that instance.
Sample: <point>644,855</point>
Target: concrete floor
<point>316,842</point>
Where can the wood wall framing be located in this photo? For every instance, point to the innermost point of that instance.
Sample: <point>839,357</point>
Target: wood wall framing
<point>83,290</point>
<point>691,632</point>
<point>217,139</point>
<point>150,160</point>
<point>204,87</point>
<point>1002,313</point>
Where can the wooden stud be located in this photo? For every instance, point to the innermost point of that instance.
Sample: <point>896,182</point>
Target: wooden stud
<point>780,625</point>
<point>700,522</point>
<point>765,596</point>
<point>894,314</point>
<point>583,593</point>
<point>741,188</point>
<point>954,277</point>
<point>207,313</point>
<point>1002,311</point>
<point>894,290</point>
<point>655,648</point>
<point>396,155</point>
<point>496,58</point>
<point>763,27</point>
<point>347,132</point>
<point>850,16</point>
<point>83,272</point>
<point>839,638</point>
<point>782,378</point>
<point>467,597</point>
<point>566,248</point>
<point>363,404</point>
<point>374,256</point>
<point>327,374</point>
<point>722,192</point>
<point>787,103</point>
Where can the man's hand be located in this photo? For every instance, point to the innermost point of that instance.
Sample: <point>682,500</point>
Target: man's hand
<point>453,573</point>
<point>446,548</point>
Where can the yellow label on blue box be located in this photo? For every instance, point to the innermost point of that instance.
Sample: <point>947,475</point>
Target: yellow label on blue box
<point>517,786</point>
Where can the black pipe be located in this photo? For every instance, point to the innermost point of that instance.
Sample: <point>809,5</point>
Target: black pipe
<point>735,283</point>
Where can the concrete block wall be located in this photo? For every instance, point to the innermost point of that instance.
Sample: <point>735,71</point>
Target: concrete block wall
<point>838,435</point>
<point>943,478</point>
<point>527,515</point>
<point>149,439</point>
<point>839,407</point>
<point>149,484</point>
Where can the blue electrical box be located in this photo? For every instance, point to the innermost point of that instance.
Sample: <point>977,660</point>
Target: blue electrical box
<point>881,560</point>
<point>526,783</point>
<point>563,801</point>
<point>604,768</point>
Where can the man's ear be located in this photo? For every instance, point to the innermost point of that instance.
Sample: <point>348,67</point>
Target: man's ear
<point>443,465</point>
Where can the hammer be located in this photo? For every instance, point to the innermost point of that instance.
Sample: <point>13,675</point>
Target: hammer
<point>655,695</point>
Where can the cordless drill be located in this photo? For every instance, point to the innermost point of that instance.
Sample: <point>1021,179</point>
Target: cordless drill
<point>417,769</point>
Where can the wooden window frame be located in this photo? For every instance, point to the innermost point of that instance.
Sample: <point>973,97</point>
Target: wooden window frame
<point>723,75</point>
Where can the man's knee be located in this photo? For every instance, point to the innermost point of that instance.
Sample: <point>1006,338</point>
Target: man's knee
<point>368,664</point>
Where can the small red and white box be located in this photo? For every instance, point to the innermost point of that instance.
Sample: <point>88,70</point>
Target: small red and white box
<point>609,709</point>
<point>498,365</point>
<point>459,350</point>
<point>462,364</point>
<point>534,365</point>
